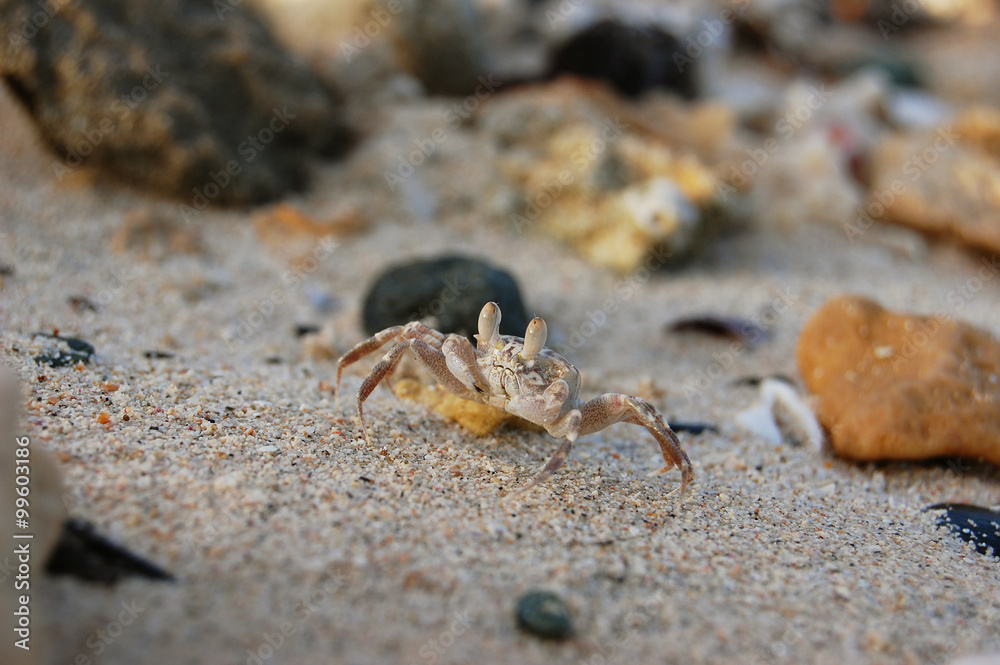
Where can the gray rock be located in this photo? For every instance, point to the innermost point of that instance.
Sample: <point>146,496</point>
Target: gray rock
<point>545,614</point>
<point>189,98</point>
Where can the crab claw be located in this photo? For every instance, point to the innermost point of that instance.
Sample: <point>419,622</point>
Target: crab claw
<point>534,338</point>
<point>489,325</point>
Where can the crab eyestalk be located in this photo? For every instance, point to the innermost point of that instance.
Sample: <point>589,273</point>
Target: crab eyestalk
<point>489,325</point>
<point>534,338</point>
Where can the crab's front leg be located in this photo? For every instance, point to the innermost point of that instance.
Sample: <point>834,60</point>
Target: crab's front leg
<point>549,410</point>
<point>611,408</point>
<point>436,360</point>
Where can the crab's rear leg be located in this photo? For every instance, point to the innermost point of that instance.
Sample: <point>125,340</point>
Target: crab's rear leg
<point>611,408</point>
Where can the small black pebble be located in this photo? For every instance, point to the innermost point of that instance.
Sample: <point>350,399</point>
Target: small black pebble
<point>726,327</point>
<point>158,355</point>
<point>453,289</point>
<point>692,427</point>
<point>545,614</point>
<point>973,524</point>
<point>85,554</point>
<point>67,351</point>
<point>304,329</point>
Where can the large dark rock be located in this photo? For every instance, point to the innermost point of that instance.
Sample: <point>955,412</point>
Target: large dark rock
<point>631,58</point>
<point>187,97</point>
<point>452,289</point>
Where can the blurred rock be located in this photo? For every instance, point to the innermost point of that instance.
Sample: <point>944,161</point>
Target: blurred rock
<point>899,386</point>
<point>593,172</point>
<point>633,59</point>
<point>545,614</point>
<point>451,289</point>
<point>944,182</point>
<point>194,100</point>
<point>441,43</point>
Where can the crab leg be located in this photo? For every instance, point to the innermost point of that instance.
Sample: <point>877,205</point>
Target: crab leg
<point>362,349</point>
<point>429,356</point>
<point>557,460</point>
<point>612,408</point>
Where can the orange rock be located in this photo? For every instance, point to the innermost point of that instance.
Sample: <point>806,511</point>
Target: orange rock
<point>899,386</point>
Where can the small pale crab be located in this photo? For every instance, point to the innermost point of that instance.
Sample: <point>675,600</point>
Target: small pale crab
<point>519,376</point>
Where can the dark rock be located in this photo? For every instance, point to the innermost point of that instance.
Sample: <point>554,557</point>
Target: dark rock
<point>973,524</point>
<point>442,41</point>
<point>453,289</point>
<point>545,614</point>
<point>185,97</point>
<point>692,427</point>
<point>633,59</point>
<point>64,351</point>
<point>85,554</point>
<point>727,327</point>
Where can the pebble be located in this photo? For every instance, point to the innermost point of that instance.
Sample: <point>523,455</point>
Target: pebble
<point>64,351</point>
<point>451,289</point>
<point>545,614</point>
<point>590,174</point>
<point>940,181</point>
<point>973,524</point>
<point>85,554</point>
<point>441,41</point>
<point>730,328</point>
<point>899,386</point>
<point>204,109</point>
<point>632,58</point>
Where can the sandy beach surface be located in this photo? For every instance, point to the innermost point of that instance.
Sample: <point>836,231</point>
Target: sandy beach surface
<point>230,464</point>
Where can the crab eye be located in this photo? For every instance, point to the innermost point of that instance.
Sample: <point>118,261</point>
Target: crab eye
<point>534,338</point>
<point>489,323</point>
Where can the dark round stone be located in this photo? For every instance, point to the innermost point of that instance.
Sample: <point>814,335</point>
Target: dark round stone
<point>633,59</point>
<point>545,614</point>
<point>453,289</point>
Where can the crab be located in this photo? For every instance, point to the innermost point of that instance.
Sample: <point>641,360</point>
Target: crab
<point>520,376</point>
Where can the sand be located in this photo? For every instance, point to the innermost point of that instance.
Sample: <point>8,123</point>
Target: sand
<point>293,541</point>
